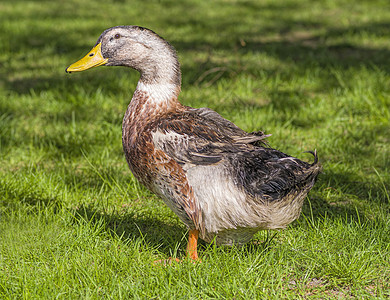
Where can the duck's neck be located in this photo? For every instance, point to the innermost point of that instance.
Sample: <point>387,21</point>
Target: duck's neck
<point>156,94</point>
<point>161,70</point>
<point>150,100</point>
<point>160,81</point>
<point>160,66</point>
<point>155,98</point>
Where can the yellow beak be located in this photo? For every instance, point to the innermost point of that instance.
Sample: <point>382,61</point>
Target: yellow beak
<point>93,59</point>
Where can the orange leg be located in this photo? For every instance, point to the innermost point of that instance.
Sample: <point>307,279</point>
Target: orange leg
<point>192,244</point>
<point>191,249</point>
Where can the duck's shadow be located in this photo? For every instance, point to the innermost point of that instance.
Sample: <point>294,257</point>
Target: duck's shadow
<point>168,239</point>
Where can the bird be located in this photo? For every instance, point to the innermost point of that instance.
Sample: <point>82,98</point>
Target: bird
<point>223,183</point>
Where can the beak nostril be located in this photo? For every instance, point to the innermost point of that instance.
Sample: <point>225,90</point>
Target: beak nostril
<point>91,54</point>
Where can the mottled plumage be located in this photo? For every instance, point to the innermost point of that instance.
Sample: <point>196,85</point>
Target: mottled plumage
<point>222,182</point>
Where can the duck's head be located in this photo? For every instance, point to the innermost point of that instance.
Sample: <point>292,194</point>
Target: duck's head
<point>135,47</point>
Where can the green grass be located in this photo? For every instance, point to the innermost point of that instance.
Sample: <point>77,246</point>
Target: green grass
<point>75,224</point>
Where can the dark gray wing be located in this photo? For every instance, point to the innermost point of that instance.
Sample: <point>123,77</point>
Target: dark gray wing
<point>201,137</point>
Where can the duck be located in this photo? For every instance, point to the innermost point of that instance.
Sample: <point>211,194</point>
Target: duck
<point>223,183</point>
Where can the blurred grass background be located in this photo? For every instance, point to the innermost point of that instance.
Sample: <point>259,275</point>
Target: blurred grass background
<point>75,223</point>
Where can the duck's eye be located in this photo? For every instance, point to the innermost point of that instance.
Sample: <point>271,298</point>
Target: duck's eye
<point>117,36</point>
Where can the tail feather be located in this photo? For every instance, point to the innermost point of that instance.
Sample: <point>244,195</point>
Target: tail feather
<point>301,182</point>
<point>314,153</point>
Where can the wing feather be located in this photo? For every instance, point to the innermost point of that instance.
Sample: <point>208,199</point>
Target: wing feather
<point>201,137</point>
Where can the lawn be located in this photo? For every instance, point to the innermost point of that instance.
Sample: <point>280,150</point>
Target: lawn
<point>75,224</point>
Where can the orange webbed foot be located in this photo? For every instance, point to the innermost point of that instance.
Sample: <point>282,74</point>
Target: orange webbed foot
<point>166,262</point>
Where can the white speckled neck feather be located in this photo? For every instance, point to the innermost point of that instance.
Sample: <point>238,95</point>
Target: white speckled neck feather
<point>159,93</point>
